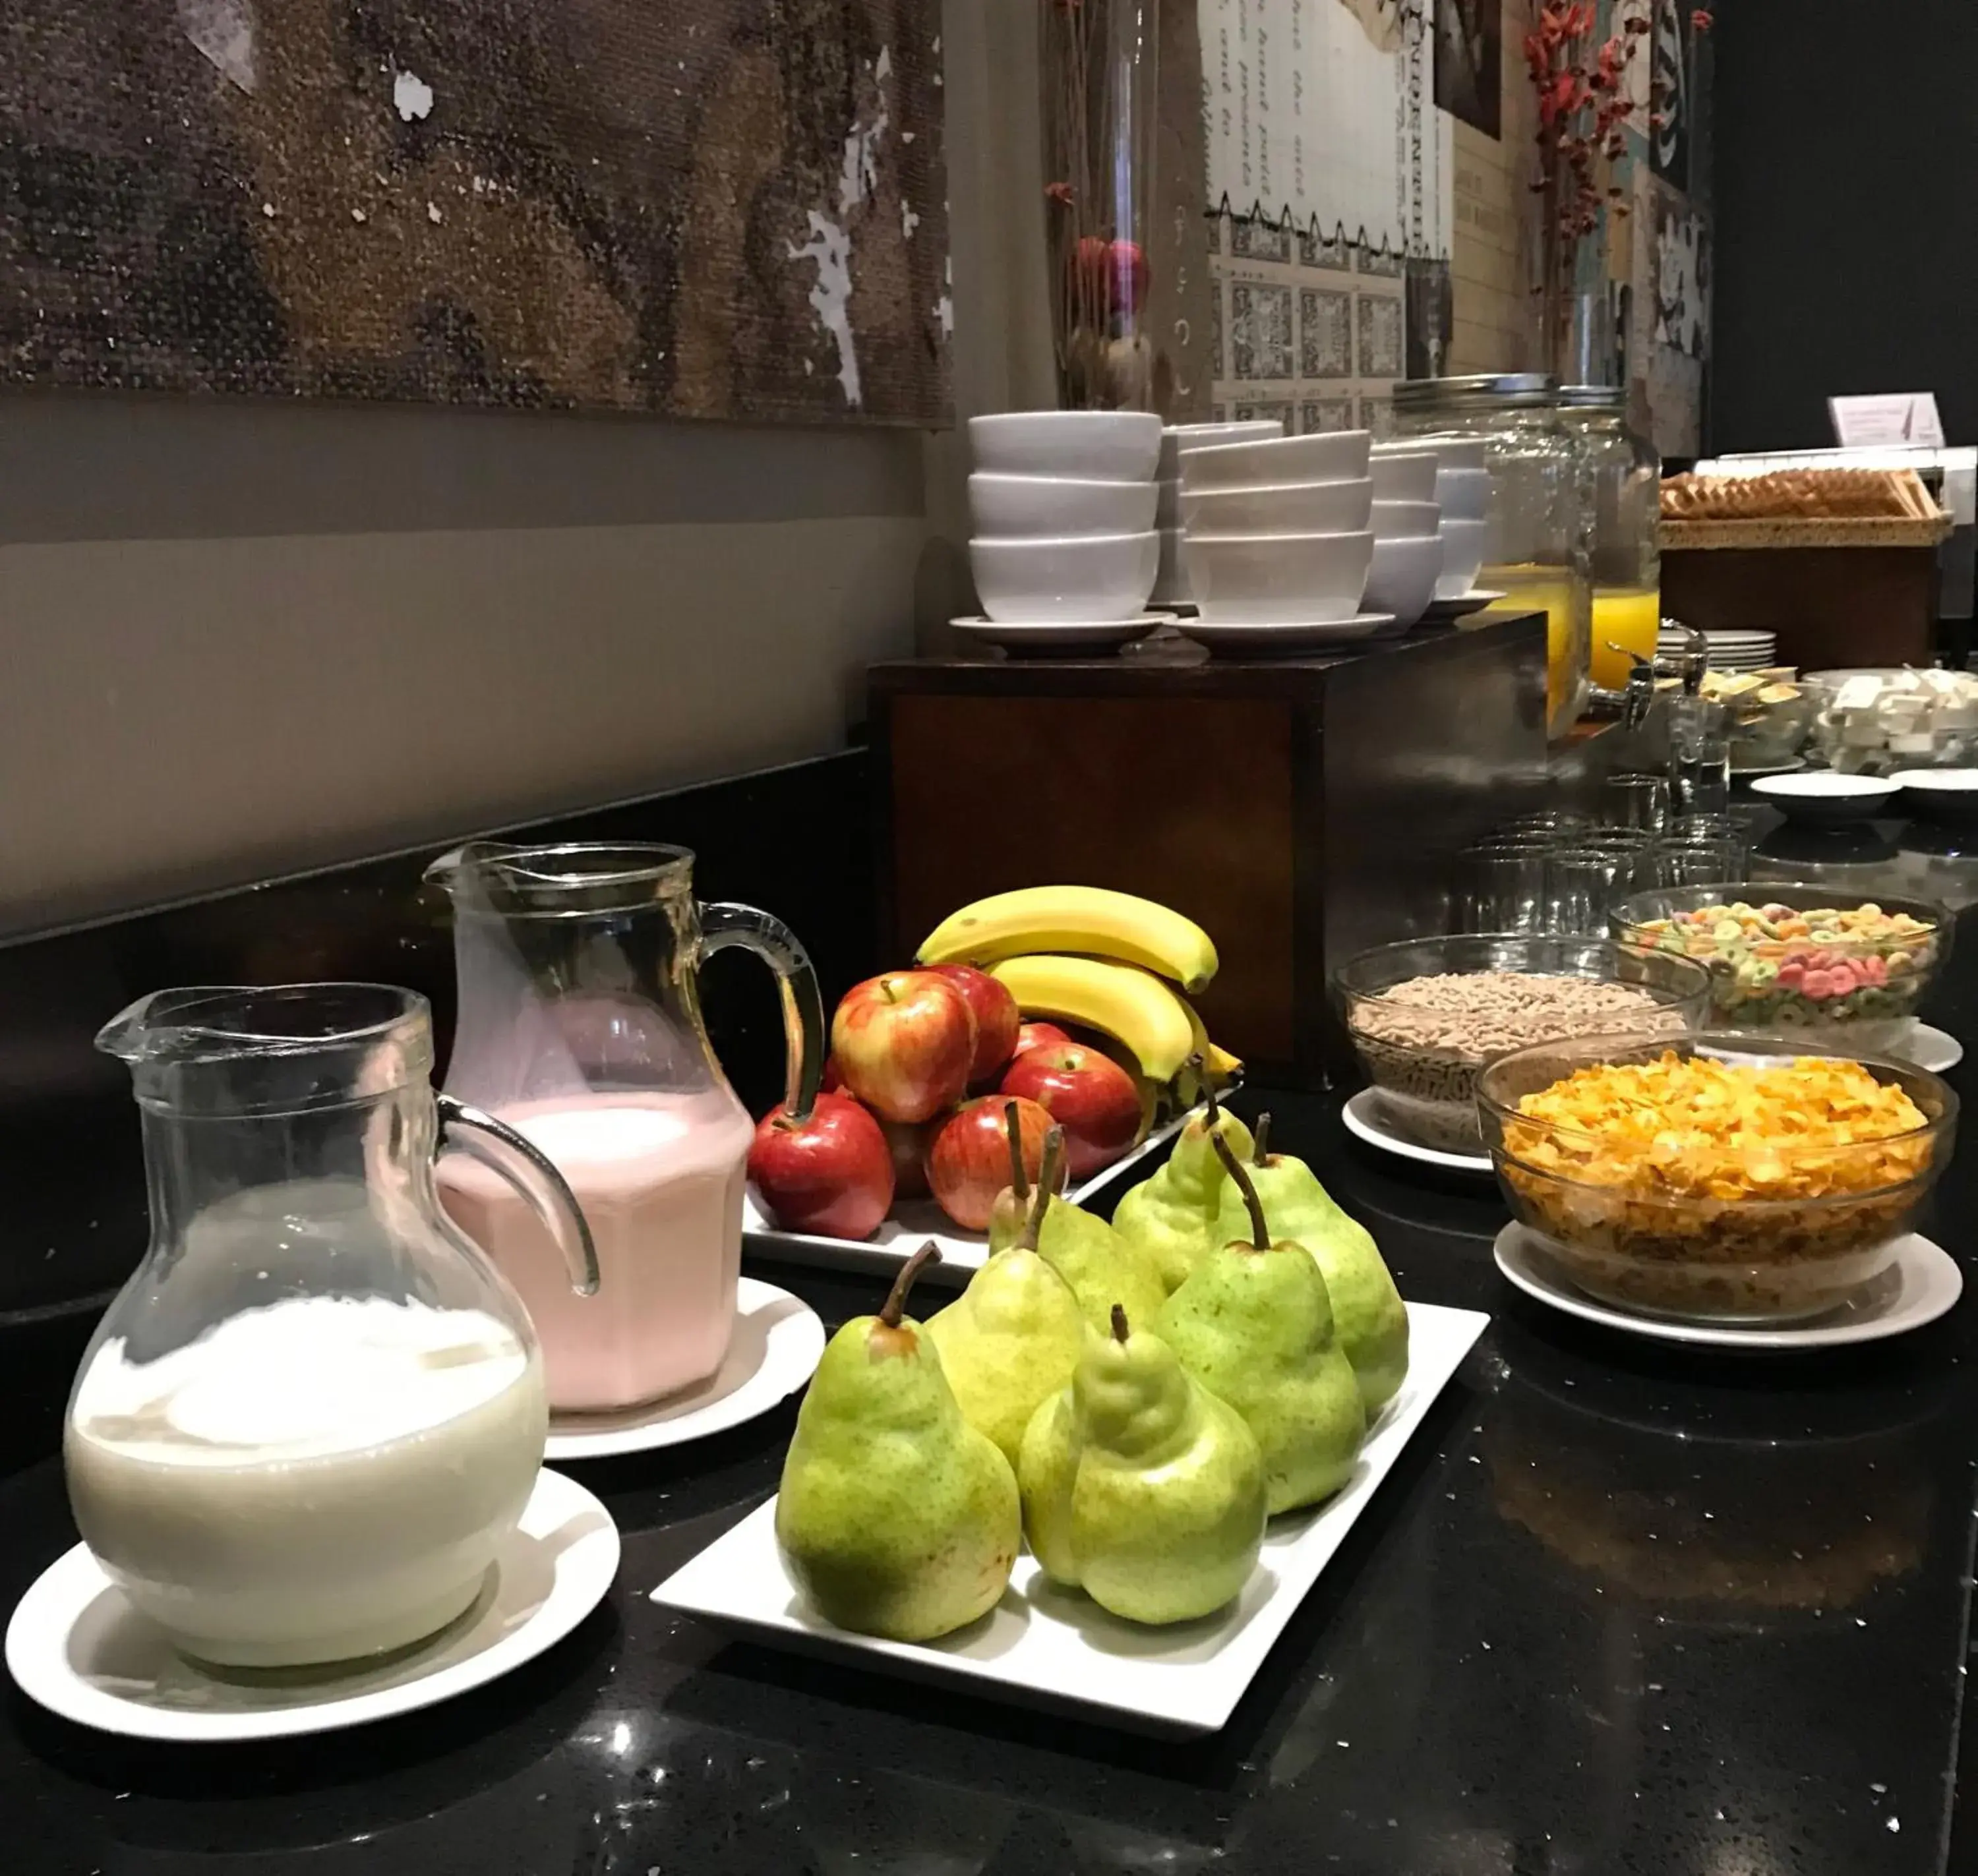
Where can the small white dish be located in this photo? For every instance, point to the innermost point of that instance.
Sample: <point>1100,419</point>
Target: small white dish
<point>1464,494</point>
<point>76,1647</point>
<point>1940,793</point>
<point>1449,452</point>
<point>1361,1118</point>
<point>1278,579</point>
<point>1074,578</point>
<point>1401,577</point>
<point>1293,508</point>
<point>1825,797</point>
<point>775,1349</point>
<point>1105,446</point>
<point>1459,605</point>
<point>1327,456</point>
<point>1024,507</point>
<point>1405,520</point>
<point>1284,638</point>
<point>1464,544</point>
<point>1057,638</point>
<point>1930,1047</point>
<point>1044,1646</point>
<point>1404,476</point>
<point>1179,437</point>
<point>1923,1283</point>
<point>916,1221</point>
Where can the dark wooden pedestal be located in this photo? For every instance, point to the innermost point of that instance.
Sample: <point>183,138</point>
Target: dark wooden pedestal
<point>1831,606</point>
<point>1299,810</point>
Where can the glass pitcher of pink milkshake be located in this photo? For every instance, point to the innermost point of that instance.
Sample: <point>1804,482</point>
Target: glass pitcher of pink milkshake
<point>579,1027</point>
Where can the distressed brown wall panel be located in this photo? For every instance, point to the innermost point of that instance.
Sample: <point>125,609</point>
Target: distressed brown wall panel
<point>708,208</point>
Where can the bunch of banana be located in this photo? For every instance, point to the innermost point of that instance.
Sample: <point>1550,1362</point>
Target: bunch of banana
<point>1105,960</point>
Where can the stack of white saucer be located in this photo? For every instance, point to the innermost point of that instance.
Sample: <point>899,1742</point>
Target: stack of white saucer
<point>1064,550</point>
<point>1463,501</point>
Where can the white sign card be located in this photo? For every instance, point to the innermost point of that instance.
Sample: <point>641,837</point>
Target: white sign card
<point>1906,418</point>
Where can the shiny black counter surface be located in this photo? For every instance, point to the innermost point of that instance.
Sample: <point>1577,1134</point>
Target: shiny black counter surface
<point>1620,1609</point>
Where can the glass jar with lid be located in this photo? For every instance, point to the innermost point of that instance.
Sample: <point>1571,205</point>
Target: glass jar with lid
<point>1621,477</point>
<point>1535,547</point>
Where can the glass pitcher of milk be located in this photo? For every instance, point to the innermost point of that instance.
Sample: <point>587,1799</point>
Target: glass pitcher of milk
<point>308,1421</point>
<point>579,1027</point>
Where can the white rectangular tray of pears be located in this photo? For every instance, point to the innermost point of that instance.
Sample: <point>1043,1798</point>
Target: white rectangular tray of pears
<point>916,1221</point>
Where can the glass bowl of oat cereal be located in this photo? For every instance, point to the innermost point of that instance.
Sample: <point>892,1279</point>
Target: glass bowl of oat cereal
<point>1426,1015</point>
<point>1715,1177</point>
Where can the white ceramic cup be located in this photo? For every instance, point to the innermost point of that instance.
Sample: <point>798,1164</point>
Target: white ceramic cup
<point>1081,578</point>
<point>1101,446</point>
<point>1294,508</point>
<point>1279,579</point>
<point>1022,507</point>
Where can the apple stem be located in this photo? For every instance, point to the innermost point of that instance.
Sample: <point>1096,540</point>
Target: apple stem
<point>1262,1156</point>
<point>895,1304</point>
<point>1119,1329</point>
<point>1259,1229</point>
<point>1013,1127</point>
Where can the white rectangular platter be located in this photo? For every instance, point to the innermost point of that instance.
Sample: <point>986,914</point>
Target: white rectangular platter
<point>1041,1646</point>
<point>961,1252</point>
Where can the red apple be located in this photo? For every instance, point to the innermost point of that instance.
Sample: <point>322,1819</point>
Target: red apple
<point>996,1016</point>
<point>1036,1035</point>
<point>831,1174</point>
<point>968,1159</point>
<point>908,1145</point>
<point>904,1042</point>
<point>1088,1095</point>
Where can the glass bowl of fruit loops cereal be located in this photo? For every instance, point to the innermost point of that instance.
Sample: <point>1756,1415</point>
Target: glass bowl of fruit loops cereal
<point>1789,961</point>
<point>1715,1177</point>
<point>1426,1015</point>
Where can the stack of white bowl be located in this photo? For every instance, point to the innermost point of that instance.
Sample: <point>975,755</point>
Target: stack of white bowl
<point>1276,529</point>
<point>1408,544</point>
<point>1063,503</point>
<point>1171,587</point>
<point>1463,497</point>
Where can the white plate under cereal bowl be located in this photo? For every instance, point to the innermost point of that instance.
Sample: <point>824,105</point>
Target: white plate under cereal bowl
<point>1923,1283</point>
<point>776,1348</point>
<point>1043,1647</point>
<point>76,1647</point>
<point>1288,640</point>
<point>1362,1118</point>
<point>1057,638</point>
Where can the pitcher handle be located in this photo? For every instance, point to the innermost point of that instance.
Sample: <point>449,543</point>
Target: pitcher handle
<point>545,1190</point>
<point>773,941</point>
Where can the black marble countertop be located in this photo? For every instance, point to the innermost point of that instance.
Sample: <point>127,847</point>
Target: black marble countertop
<point>1620,1608</point>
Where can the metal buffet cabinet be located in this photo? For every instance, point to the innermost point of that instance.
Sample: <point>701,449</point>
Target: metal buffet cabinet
<point>1299,809</point>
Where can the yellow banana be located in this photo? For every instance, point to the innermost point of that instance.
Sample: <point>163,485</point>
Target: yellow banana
<point>1086,919</point>
<point>1121,999</point>
<point>1219,1067</point>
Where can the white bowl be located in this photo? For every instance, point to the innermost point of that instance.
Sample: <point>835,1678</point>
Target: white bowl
<point>1940,793</point>
<point>1463,547</point>
<point>1402,520</point>
<point>1084,577</point>
<point>1464,493</point>
<point>1179,437</point>
<point>1404,477</point>
<point>1278,579</point>
<point>1023,507</point>
<point>1171,583</point>
<point>1825,796</point>
<point>1295,508</point>
<point>1401,578</point>
<point>1332,456</point>
<point>1450,452</point>
<point>1103,446</point>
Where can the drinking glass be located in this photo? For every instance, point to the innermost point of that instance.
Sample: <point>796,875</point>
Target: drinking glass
<point>1582,885</point>
<point>1699,755</point>
<point>1702,863</point>
<point>1636,800</point>
<point>1503,890</point>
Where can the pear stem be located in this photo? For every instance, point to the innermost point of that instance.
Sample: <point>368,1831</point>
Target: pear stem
<point>1259,1229</point>
<point>1201,1067</point>
<point>895,1304</point>
<point>1013,1128</point>
<point>1261,1157</point>
<point>1033,1220</point>
<point>1047,1172</point>
<point>1119,1329</point>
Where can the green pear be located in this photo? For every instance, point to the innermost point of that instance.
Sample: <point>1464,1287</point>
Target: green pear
<point>1367,1313</point>
<point>1100,1266</point>
<point>895,1517</point>
<point>1172,1216</point>
<point>1013,1337</point>
<point>1253,1324</point>
<point>1140,1487</point>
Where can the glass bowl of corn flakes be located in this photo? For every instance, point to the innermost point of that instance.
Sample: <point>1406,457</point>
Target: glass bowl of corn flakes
<point>1791,959</point>
<point>1714,1177</point>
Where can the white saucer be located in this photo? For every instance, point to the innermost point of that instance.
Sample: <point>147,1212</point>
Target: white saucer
<point>1055,637</point>
<point>76,1647</point>
<point>1460,604</point>
<point>1922,1284</point>
<point>1361,1114</point>
<point>1932,1049</point>
<point>777,1344</point>
<point>1277,641</point>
